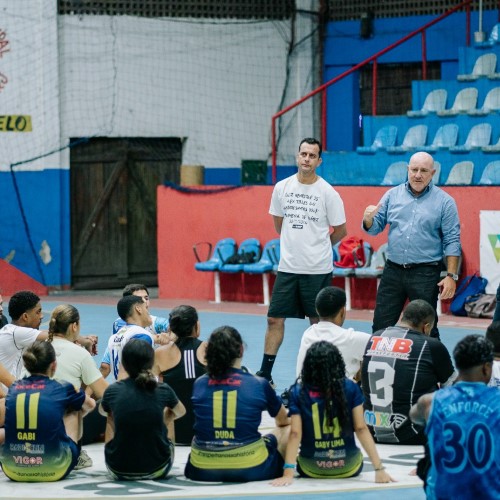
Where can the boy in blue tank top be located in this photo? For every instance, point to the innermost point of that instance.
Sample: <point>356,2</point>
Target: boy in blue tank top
<point>463,427</point>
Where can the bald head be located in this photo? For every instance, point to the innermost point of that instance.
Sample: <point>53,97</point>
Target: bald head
<point>420,172</point>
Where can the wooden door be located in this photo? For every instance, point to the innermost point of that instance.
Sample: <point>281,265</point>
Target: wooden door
<point>113,208</point>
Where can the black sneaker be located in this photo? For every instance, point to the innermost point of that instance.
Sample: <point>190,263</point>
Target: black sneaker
<point>285,398</point>
<point>269,379</point>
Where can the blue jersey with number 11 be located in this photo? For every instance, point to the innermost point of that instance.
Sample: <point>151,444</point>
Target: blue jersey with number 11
<point>464,441</point>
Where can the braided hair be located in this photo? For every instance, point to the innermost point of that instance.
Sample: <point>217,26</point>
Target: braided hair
<point>62,317</point>
<point>324,371</point>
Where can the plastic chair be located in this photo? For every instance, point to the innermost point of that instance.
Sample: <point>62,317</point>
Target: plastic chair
<point>415,137</point>
<point>434,101</point>
<point>479,136</point>
<point>348,272</point>
<point>465,100</point>
<point>484,66</point>
<point>247,246</point>
<point>446,137</point>
<point>264,266</point>
<point>494,148</point>
<point>395,174</point>
<point>491,103</point>
<point>222,251</point>
<point>276,252</point>
<point>491,174</point>
<point>376,267</point>
<point>460,174</point>
<point>437,173</point>
<point>386,136</point>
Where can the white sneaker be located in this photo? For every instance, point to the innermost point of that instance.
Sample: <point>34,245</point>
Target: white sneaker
<point>83,460</point>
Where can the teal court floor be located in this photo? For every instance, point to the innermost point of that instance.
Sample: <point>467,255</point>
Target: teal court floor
<point>98,311</point>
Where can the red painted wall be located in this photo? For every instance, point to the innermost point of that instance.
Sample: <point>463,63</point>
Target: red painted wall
<point>187,218</point>
<point>12,280</point>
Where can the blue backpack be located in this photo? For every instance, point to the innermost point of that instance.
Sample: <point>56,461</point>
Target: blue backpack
<point>470,285</point>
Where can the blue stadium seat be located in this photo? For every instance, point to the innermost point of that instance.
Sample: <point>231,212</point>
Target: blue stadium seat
<point>434,101</point>
<point>491,104</point>
<point>248,246</point>
<point>396,174</point>
<point>460,174</point>
<point>222,251</point>
<point>264,266</point>
<point>415,137</point>
<point>465,100</point>
<point>446,137</point>
<point>494,148</point>
<point>437,173</point>
<point>484,66</point>
<point>478,137</point>
<point>491,174</point>
<point>386,136</point>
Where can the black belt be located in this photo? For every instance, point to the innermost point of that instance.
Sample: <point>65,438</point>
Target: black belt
<point>412,266</point>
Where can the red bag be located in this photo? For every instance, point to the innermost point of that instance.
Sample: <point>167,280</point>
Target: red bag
<point>351,253</point>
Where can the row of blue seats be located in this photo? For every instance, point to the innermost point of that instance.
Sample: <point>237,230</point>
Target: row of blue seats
<point>479,137</point>
<point>460,174</point>
<point>220,260</point>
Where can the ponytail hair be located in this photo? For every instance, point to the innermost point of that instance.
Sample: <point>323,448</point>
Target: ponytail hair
<point>182,320</point>
<point>38,357</point>
<point>138,359</point>
<point>62,317</point>
<point>324,371</point>
<point>224,346</point>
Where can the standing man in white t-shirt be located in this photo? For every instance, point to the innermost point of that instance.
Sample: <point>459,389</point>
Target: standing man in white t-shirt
<point>309,216</point>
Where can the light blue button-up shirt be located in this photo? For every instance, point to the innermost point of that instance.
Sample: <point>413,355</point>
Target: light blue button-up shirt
<point>421,228</point>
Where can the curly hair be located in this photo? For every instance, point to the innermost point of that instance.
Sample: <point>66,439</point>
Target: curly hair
<point>324,371</point>
<point>62,316</point>
<point>38,357</point>
<point>21,302</point>
<point>471,351</point>
<point>138,359</point>
<point>224,346</point>
<point>493,335</point>
<point>182,320</point>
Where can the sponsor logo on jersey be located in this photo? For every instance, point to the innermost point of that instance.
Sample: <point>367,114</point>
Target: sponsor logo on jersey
<point>387,420</point>
<point>20,460</point>
<point>390,347</point>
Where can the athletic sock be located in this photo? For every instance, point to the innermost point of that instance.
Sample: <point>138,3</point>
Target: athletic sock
<point>267,365</point>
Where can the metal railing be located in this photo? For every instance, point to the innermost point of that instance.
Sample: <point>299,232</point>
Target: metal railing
<point>372,59</point>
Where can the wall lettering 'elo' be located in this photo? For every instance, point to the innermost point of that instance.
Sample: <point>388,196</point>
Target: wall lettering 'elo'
<point>15,123</point>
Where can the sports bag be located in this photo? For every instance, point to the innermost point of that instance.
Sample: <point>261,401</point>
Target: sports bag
<point>470,285</point>
<point>351,253</point>
<point>481,305</point>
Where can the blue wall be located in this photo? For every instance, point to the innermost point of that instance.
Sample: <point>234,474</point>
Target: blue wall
<point>44,197</point>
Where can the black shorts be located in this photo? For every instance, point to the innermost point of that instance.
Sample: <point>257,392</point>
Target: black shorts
<point>294,295</point>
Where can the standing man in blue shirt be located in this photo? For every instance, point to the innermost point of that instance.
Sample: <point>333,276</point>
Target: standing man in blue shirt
<point>423,226</point>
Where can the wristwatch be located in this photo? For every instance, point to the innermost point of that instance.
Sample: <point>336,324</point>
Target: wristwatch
<point>453,276</point>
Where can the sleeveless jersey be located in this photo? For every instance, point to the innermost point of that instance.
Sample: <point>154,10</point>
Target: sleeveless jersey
<point>326,450</point>
<point>399,366</point>
<point>181,378</point>
<point>464,441</point>
<point>228,412</point>
<point>36,446</point>
<point>117,342</point>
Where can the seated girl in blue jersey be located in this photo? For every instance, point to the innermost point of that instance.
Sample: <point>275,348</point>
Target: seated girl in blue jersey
<point>180,363</point>
<point>228,404</point>
<point>42,419</point>
<point>326,410</point>
<point>138,411</point>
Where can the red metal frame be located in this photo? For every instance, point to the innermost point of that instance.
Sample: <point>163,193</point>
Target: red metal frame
<point>373,59</point>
